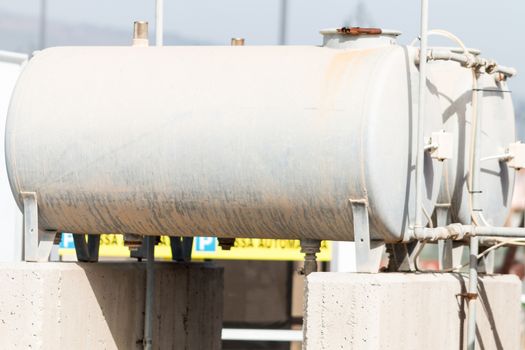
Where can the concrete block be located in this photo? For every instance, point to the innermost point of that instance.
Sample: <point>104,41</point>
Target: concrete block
<point>101,306</point>
<point>408,311</point>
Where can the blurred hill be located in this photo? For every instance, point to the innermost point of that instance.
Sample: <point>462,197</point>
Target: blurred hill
<point>20,33</point>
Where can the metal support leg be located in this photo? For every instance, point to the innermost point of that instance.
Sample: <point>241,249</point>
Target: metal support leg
<point>30,226</point>
<point>310,248</point>
<point>226,243</point>
<point>93,247</point>
<point>45,244</point>
<point>181,248</point>
<point>86,251</point>
<point>187,247</point>
<point>150,290</point>
<point>176,249</point>
<point>368,252</point>
<point>37,243</point>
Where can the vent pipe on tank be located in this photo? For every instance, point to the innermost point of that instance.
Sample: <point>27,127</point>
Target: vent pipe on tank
<point>140,34</point>
<point>237,42</point>
<point>358,38</point>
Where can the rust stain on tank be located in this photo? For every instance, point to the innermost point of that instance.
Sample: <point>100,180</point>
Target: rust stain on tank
<point>341,68</point>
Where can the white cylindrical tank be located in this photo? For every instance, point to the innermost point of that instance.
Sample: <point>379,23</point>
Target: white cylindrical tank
<point>238,141</point>
<point>454,85</point>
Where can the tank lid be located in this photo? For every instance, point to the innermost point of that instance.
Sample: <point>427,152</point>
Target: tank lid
<point>357,37</point>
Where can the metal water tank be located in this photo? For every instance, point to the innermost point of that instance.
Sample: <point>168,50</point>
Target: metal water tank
<point>240,141</point>
<point>454,85</point>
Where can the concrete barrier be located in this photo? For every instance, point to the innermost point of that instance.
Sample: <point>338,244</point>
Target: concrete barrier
<point>408,311</point>
<point>101,306</point>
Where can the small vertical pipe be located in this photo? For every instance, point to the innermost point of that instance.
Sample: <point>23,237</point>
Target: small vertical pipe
<point>159,23</point>
<point>237,42</point>
<point>43,25</point>
<point>418,225</point>
<point>140,33</point>
<point>283,23</point>
<point>150,290</point>
<point>474,241</point>
<point>472,293</point>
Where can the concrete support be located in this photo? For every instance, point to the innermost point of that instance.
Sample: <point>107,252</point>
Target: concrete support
<point>408,311</point>
<point>101,306</point>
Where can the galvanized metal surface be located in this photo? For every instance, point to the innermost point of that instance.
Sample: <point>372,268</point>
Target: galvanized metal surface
<point>229,142</point>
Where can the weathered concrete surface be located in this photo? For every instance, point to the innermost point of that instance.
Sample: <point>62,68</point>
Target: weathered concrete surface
<point>101,306</point>
<point>408,311</point>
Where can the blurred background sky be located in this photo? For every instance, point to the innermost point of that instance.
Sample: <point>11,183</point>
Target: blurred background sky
<point>494,27</point>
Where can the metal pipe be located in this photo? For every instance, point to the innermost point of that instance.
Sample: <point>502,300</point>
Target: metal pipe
<point>237,42</point>
<point>475,169</point>
<point>506,232</point>
<point>140,33</point>
<point>159,23</point>
<point>468,60</point>
<point>150,290</point>
<point>42,38</point>
<point>460,232</point>
<point>12,57</point>
<point>420,118</point>
<point>475,191</point>
<point>283,22</point>
<point>472,293</point>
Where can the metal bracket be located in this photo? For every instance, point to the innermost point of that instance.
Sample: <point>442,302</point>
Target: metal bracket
<point>468,296</point>
<point>368,252</point>
<point>37,243</point>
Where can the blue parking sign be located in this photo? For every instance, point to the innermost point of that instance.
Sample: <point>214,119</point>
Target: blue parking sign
<point>67,241</point>
<point>205,244</point>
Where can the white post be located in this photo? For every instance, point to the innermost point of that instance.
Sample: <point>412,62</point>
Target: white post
<point>159,23</point>
<point>418,225</point>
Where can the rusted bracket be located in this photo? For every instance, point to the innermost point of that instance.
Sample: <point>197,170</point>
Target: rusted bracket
<point>468,296</point>
<point>359,31</point>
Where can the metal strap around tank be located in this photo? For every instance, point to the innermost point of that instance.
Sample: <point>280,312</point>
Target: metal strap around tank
<point>368,252</point>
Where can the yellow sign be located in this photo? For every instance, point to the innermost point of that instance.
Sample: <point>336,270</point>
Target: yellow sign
<point>112,245</point>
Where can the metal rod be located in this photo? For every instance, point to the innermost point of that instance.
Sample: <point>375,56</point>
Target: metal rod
<point>43,25</point>
<point>283,22</point>
<point>420,116</point>
<point>472,293</point>
<point>159,23</point>
<point>501,157</point>
<point>150,290</point>
<point>474,241</point>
